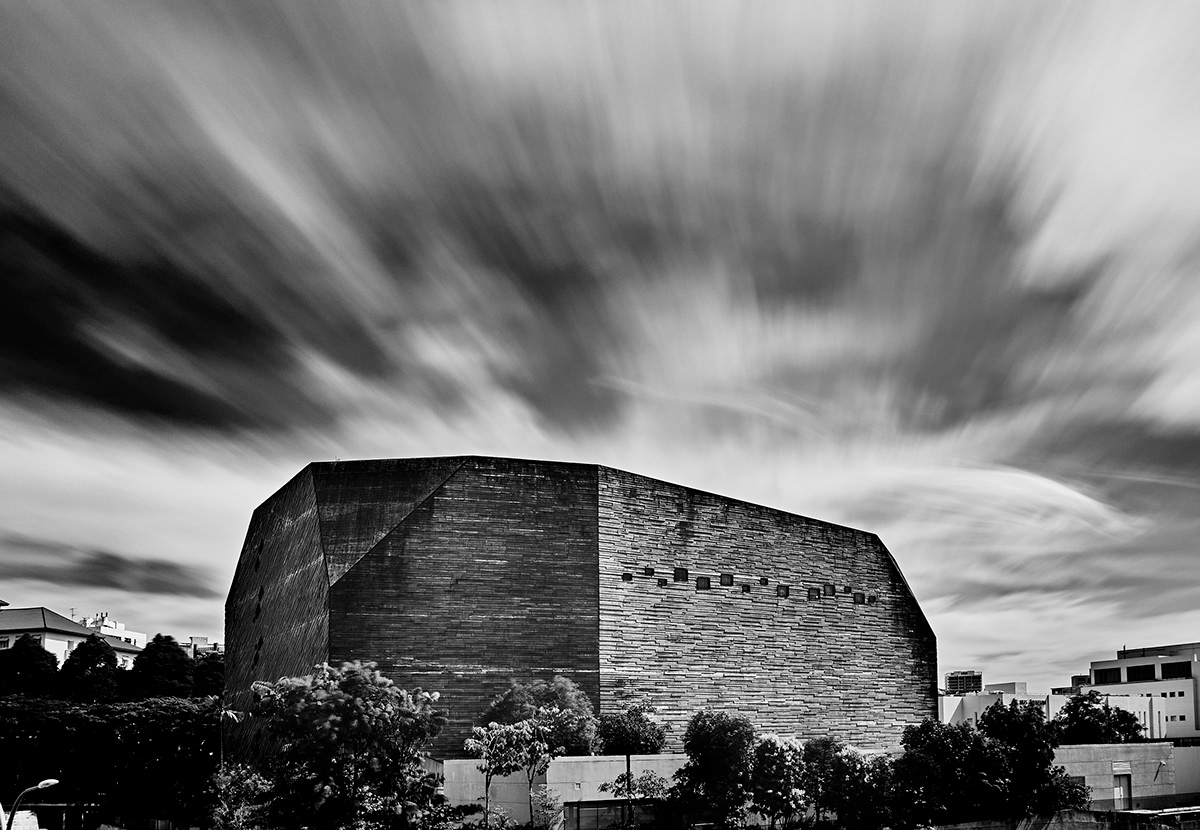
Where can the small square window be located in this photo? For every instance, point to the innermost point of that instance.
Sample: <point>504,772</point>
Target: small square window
<point>782,591</point>
<point>745,588</point>
<point>762,580</point>
<point>648,571</point>
<point>860,599</point>
<point>814,593</point>
<point>1164,694</point>
<point>846,589</point>
<point>627,577</point>
<point>872,599</point>
<point>727,580</point>
<point>829,589</point>
<point>681,575</point>
<point>662,583</point>
<point>703,583</point>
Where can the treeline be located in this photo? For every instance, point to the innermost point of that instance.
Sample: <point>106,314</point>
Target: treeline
<point>1001,769</point>
<point>151,758</point>
<point>90,673</point>
<point>142,742</point>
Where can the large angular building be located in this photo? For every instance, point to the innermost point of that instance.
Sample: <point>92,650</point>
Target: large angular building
<point>460,574</point>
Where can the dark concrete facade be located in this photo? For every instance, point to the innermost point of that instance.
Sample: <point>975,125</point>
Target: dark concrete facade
<point>460,574</point>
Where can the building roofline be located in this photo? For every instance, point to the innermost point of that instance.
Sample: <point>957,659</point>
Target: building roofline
<point>52,621</point>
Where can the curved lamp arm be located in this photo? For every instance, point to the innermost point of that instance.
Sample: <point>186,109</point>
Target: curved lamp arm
<point>41,785</point>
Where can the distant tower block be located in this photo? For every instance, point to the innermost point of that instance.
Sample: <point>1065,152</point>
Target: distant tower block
<point>963,682</point>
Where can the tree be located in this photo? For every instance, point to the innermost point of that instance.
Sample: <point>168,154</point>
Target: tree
<point>1035,786</point>
<point>27,668</point>
<point>861,789</point>
<point>89,674</point>
<point>818,773</point>
<point>350,749</point>
<point>208,675</point>
<point>775,781</point>
<point>631,732</point>
<point>719,747</point>
<point>162,669</point>
<point>1088,719</point>
<point>520,701</point>
<point>496,747</point>
<point>948,774</point>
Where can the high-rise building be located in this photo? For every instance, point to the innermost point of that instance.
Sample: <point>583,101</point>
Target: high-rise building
<point>964,682</point>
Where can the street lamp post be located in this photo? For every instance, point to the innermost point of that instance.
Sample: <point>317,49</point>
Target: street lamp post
<point>41,785</point>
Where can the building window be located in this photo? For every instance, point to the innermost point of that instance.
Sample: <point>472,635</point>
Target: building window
<point>648,571</point>
<point>846,589</point>
<point>814,593</point>
<point>1175,671</point>
<point>860,599</point>
<point>746,588</point>
<point>703,583</point>
<point>782,591</point>
<point>681,575</point>
<point>762,581</point>
<point>662,583</point>
<point>627,577</point>
<point>3,642</point>
<point>871,600</point>
<point>1112,675</point>
<point>1139,673</point>
<point>727,580</point>
<point>830,590</point>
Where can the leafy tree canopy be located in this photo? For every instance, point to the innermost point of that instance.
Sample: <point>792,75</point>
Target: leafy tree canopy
<point>208,675</point>
<point>27,669</point>
<point>776,790</point>
<point>521,701</point>
<point>351,743</point>
<point>631,732</point>
<point>720,749</point>
<point>89,674</point>
<point>1088,719</point>
<point>162,669</point>
<point>949,773</point>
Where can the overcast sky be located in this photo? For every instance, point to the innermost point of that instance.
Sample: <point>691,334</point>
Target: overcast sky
<point>927,269</point>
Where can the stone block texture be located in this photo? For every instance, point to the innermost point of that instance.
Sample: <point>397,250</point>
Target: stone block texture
<point>462,574</point>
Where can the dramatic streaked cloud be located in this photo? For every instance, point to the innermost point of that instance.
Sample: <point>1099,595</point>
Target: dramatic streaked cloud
<point>926,269</point>
<point>66,565</point>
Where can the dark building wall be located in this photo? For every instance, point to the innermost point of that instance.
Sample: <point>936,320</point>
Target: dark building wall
<point>491,578</point>
<point>277,613</point>
<point>829,666</point>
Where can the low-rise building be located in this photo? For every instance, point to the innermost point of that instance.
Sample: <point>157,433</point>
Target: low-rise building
<point>109,627</point>
<point>56,633</point>
<point>1139,776</point>
<point>200,646</point>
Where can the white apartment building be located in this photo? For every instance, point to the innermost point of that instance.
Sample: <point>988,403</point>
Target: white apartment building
<point>1165,674</point>
<point>103,624</point>
<point>1150,711</point>
<point>57,634</point>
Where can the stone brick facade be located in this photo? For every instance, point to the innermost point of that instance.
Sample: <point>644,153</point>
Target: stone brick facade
<point>461,574</point>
